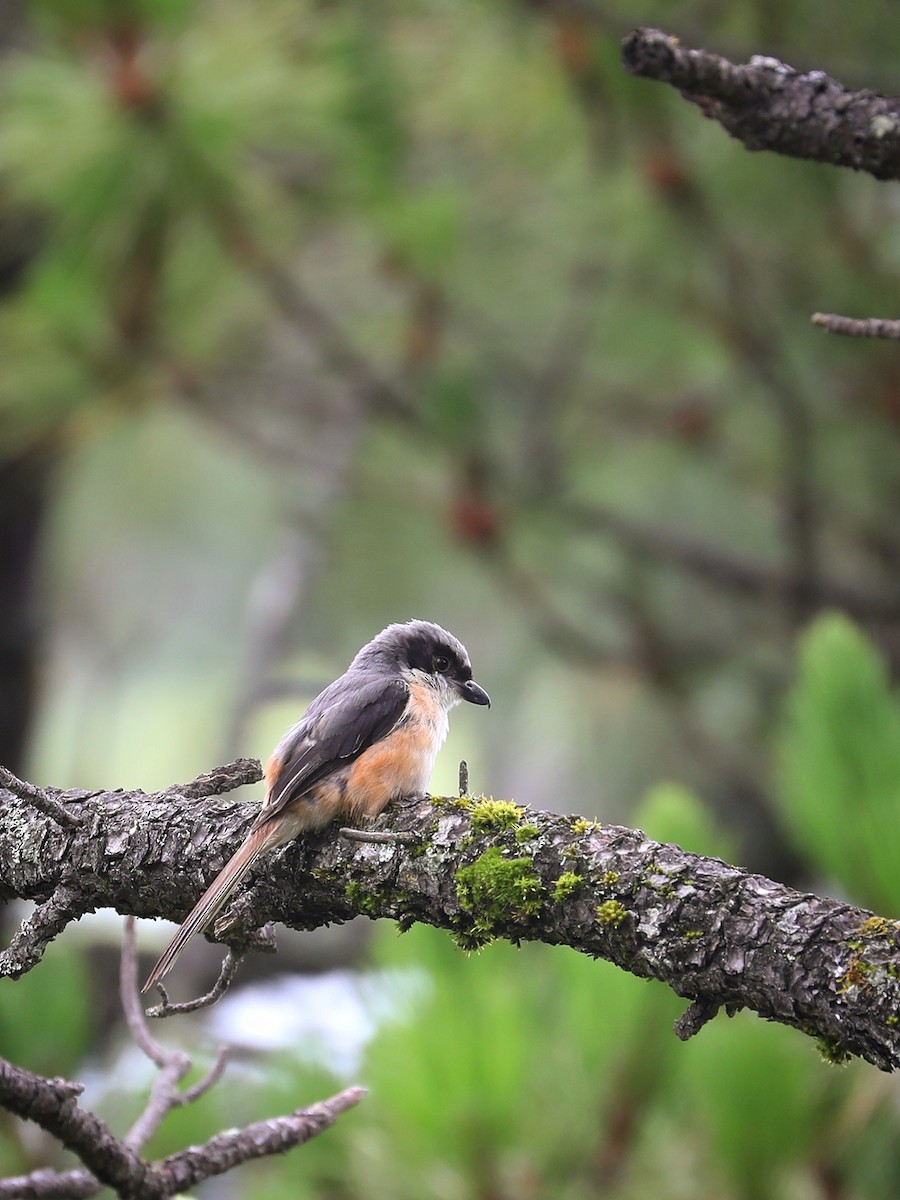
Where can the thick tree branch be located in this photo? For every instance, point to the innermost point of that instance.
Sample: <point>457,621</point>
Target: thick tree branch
<point>768,105</point>
<point>482,869</point>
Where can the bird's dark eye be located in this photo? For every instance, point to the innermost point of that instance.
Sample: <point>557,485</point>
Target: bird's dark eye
<point>441,663</point>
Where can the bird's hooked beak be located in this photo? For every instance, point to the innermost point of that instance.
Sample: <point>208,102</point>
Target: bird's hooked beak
<point>474,693</point>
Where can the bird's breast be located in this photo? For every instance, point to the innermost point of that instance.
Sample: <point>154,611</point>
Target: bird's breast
<point>399,765</point>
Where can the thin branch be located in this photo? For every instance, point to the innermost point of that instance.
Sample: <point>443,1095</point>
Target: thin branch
<point>115,1162</point>
<point>275,1136</point>
<point>219,780</point>
<point>865,327</point>
<point>166,1008</point>
<point>382,837</point>
<point>40,799</point>
<point>173,1064</point>
<point>45,1184</point>
<point>209,1080</point>
<point>767,105</point>
<point>129,995</point>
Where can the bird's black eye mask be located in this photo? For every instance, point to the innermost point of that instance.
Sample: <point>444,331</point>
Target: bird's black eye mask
<point>435,657</point>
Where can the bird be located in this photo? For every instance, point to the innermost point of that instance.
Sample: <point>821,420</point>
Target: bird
<point>371,737</point>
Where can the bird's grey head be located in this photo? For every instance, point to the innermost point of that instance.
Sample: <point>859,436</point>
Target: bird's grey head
<point>428,650</point>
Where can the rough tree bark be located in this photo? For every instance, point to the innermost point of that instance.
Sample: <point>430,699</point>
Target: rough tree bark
<point>717,935</point>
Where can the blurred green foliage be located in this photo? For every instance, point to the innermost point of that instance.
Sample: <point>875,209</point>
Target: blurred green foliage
<point>840,763</point>
<point>588,294</point>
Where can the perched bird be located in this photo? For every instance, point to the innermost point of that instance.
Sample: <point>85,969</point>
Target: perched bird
<point>369,738</point>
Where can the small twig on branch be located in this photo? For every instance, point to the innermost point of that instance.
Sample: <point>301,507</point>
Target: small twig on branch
<point>39,799</point>
<point>378,836</point>
<point>166,1008</point>
<point>695,1016</point>
<point>220,779</point>
<point>864,327</point>
<point>463,778</point>
<point>768,105</point>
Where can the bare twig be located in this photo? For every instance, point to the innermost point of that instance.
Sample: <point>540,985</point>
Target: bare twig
<point>378,836</point>
<point>115,1162</point>
<point>275,1136</point>
<point>865,327</point>
<point>39,798</point>
<point>173,1064</point>
<point>166,1008</point>
<point>209,1080</point>
<point>463,778</point>
<point>219,780</point>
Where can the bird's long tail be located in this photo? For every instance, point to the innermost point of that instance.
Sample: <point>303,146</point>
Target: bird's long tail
<point>212,900</point>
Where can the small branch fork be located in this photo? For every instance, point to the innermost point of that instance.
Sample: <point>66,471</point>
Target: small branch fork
<point>166,1008</point>
<point>768,105</point>
<point>110,1161</point>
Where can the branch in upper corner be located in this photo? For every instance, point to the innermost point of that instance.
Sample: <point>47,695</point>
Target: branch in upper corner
<point>865,327</point>
<point>768,105</point>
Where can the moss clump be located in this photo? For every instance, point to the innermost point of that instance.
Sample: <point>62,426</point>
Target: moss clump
<point>855,975</point>
<point>693,935</point>
<point>364,902</point>
<point>878,927</point>
<point>581,825</point>
<point>833,1052</point>
<point>524,833</point>
<point>610,878</point>
<point>495,814</point>
<point>567,883</point>
<point>495,889</point>
<point>611,912</point>
<point>892,1020</point>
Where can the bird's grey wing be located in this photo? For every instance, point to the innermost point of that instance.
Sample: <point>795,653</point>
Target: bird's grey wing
<point>346,719</point>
